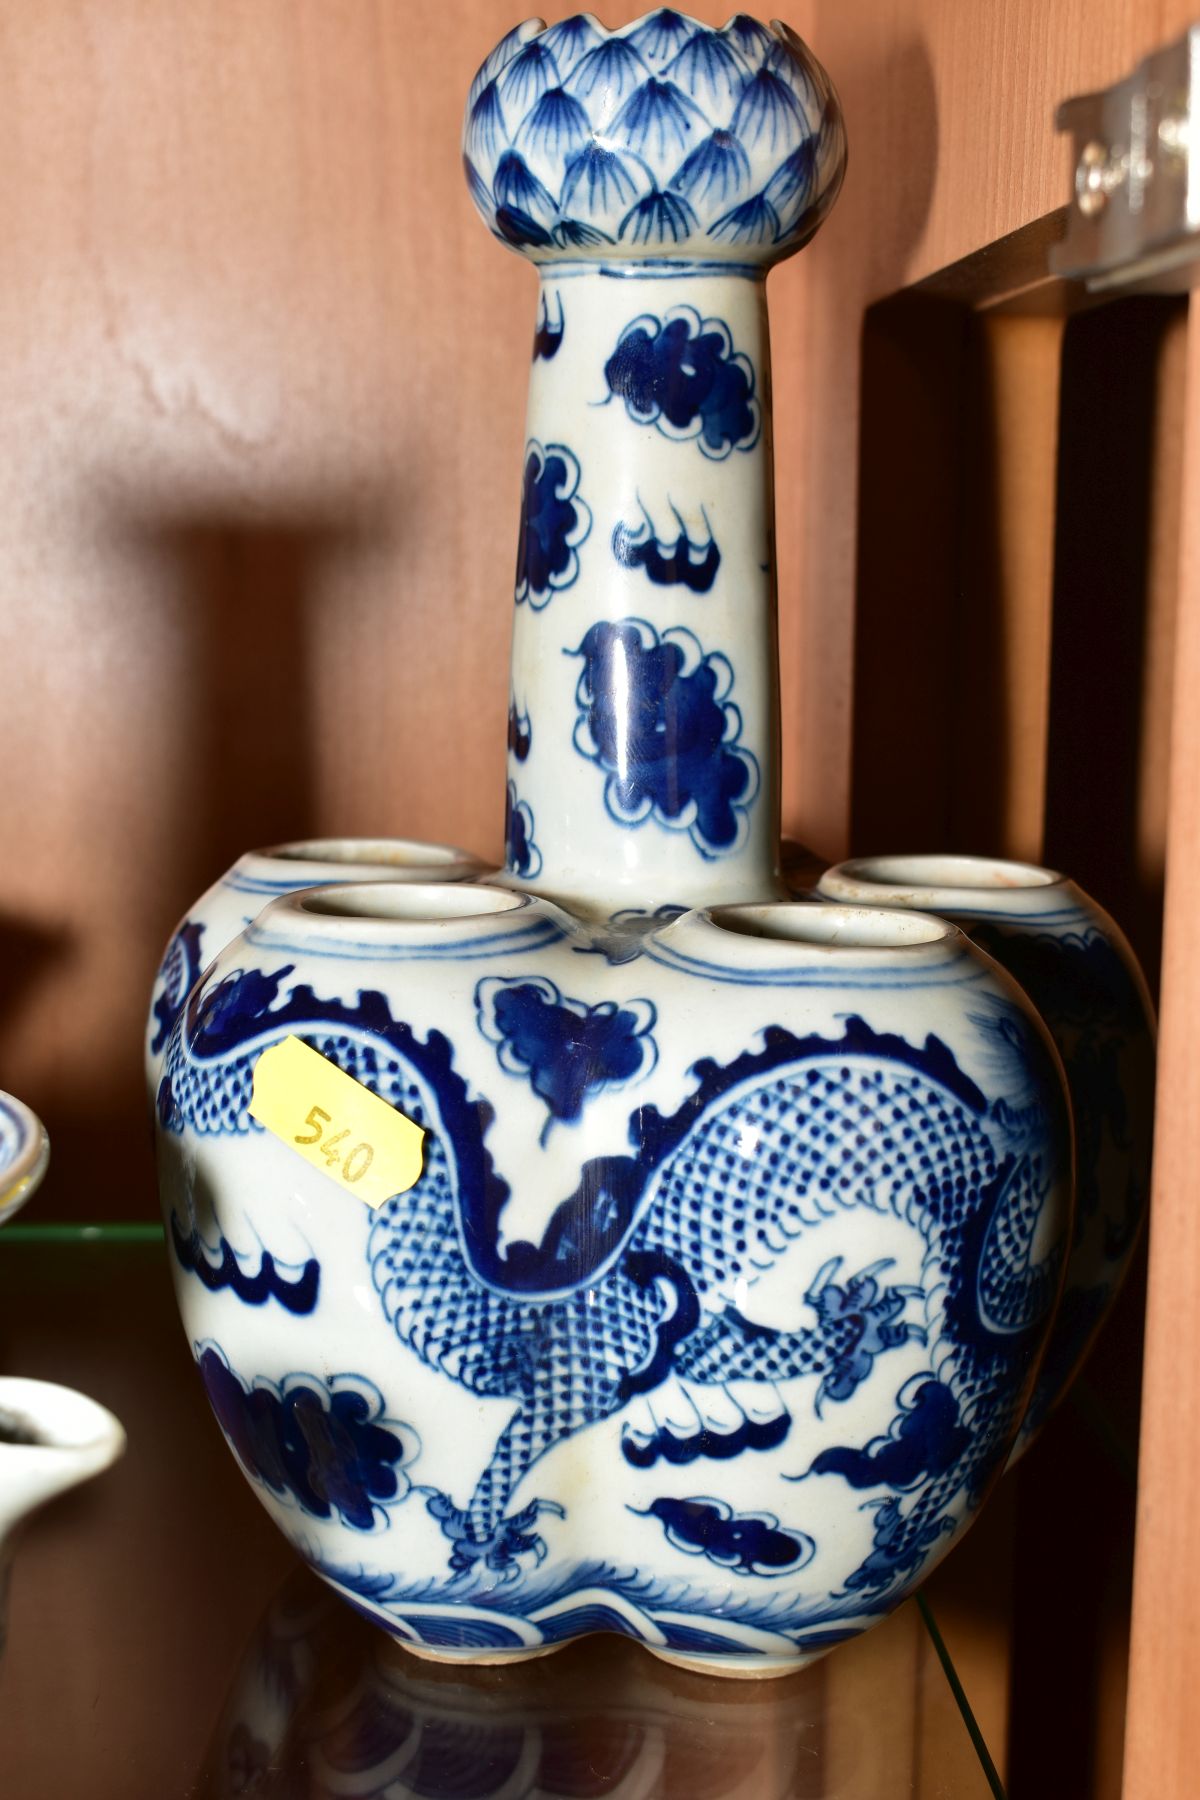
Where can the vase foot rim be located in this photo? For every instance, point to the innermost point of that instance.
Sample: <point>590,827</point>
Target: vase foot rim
<point>475,1659</point>
<point>732,1667</point>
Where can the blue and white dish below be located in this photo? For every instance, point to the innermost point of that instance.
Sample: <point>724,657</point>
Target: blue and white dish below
<point>24,1154</point>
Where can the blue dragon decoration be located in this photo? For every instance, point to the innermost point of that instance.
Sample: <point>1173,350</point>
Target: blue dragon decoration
<point>634,1282</point>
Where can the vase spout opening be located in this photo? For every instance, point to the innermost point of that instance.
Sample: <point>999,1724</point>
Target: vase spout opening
<point>831,927</point>
<point>957,885</point>
<point>403,919</point>
<point>424,903</point>
<point>975,872</point>
<point>400,853</point>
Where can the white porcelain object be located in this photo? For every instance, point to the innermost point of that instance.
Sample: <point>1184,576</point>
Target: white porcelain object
<point>51,1439</point>
<point>1078,969</point>
<point>715,1303</point>
<point>24,1154</point>
<point>719,1353</point>
<point>259,876</point>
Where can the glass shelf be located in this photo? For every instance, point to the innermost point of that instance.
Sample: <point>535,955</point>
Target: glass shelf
<point>165,1643</point>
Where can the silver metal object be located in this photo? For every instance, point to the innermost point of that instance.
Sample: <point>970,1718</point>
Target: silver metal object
<point>1134,221</point>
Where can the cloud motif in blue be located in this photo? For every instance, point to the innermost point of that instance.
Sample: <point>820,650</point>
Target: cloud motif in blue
<point>181,969</point>
<point>924,1440</point>
<point>522,855</point>
<point>295,1286</point>
<point>547,339</point>
<point>326,1443</point>
<point>554,522</point>
<point>667,563</point>
<point>655,715</point>
<point>682,374</point>
<point>747,1543</point>
<point>566,1049</point>
<point>520,731</point>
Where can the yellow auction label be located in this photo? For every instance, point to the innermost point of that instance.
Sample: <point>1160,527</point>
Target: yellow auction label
<point>335,1123</point>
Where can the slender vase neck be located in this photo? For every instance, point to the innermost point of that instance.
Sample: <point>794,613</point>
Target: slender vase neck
<point>643,730</point>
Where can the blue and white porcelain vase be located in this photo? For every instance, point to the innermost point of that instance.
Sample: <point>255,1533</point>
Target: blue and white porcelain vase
<point>715,1307</point>
<point>1077,967</point>
<point>716,1301</point>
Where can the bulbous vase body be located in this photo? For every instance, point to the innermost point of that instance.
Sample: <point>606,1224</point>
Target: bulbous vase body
<point>1076,966</point>
<point>715,1306</point>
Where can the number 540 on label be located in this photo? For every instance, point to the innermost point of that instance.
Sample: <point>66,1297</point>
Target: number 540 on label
<point>335,1123</point>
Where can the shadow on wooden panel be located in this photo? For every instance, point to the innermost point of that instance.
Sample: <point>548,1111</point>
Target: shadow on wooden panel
<point>1117,494</point>
<point>894,85</point>
<point>253,644</point>
<point>1019,500</point>
<point>27,950</point>
<point>1110,483</point>
<point>1074,1566</point>
<point>1015,591</point>
<point>954,578</point>
<point>912,424</point>
<point>248,630</point>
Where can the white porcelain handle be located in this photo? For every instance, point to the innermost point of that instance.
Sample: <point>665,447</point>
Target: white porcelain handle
<point>51,1439</point>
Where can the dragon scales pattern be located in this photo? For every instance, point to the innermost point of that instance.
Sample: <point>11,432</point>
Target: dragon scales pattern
<point>673,1229</point>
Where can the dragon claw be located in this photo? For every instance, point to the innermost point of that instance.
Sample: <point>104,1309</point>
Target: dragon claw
<point>865,1321</point>
<point>874,1269</point>
<point>823,1279</point>
<point>499,1550</point>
